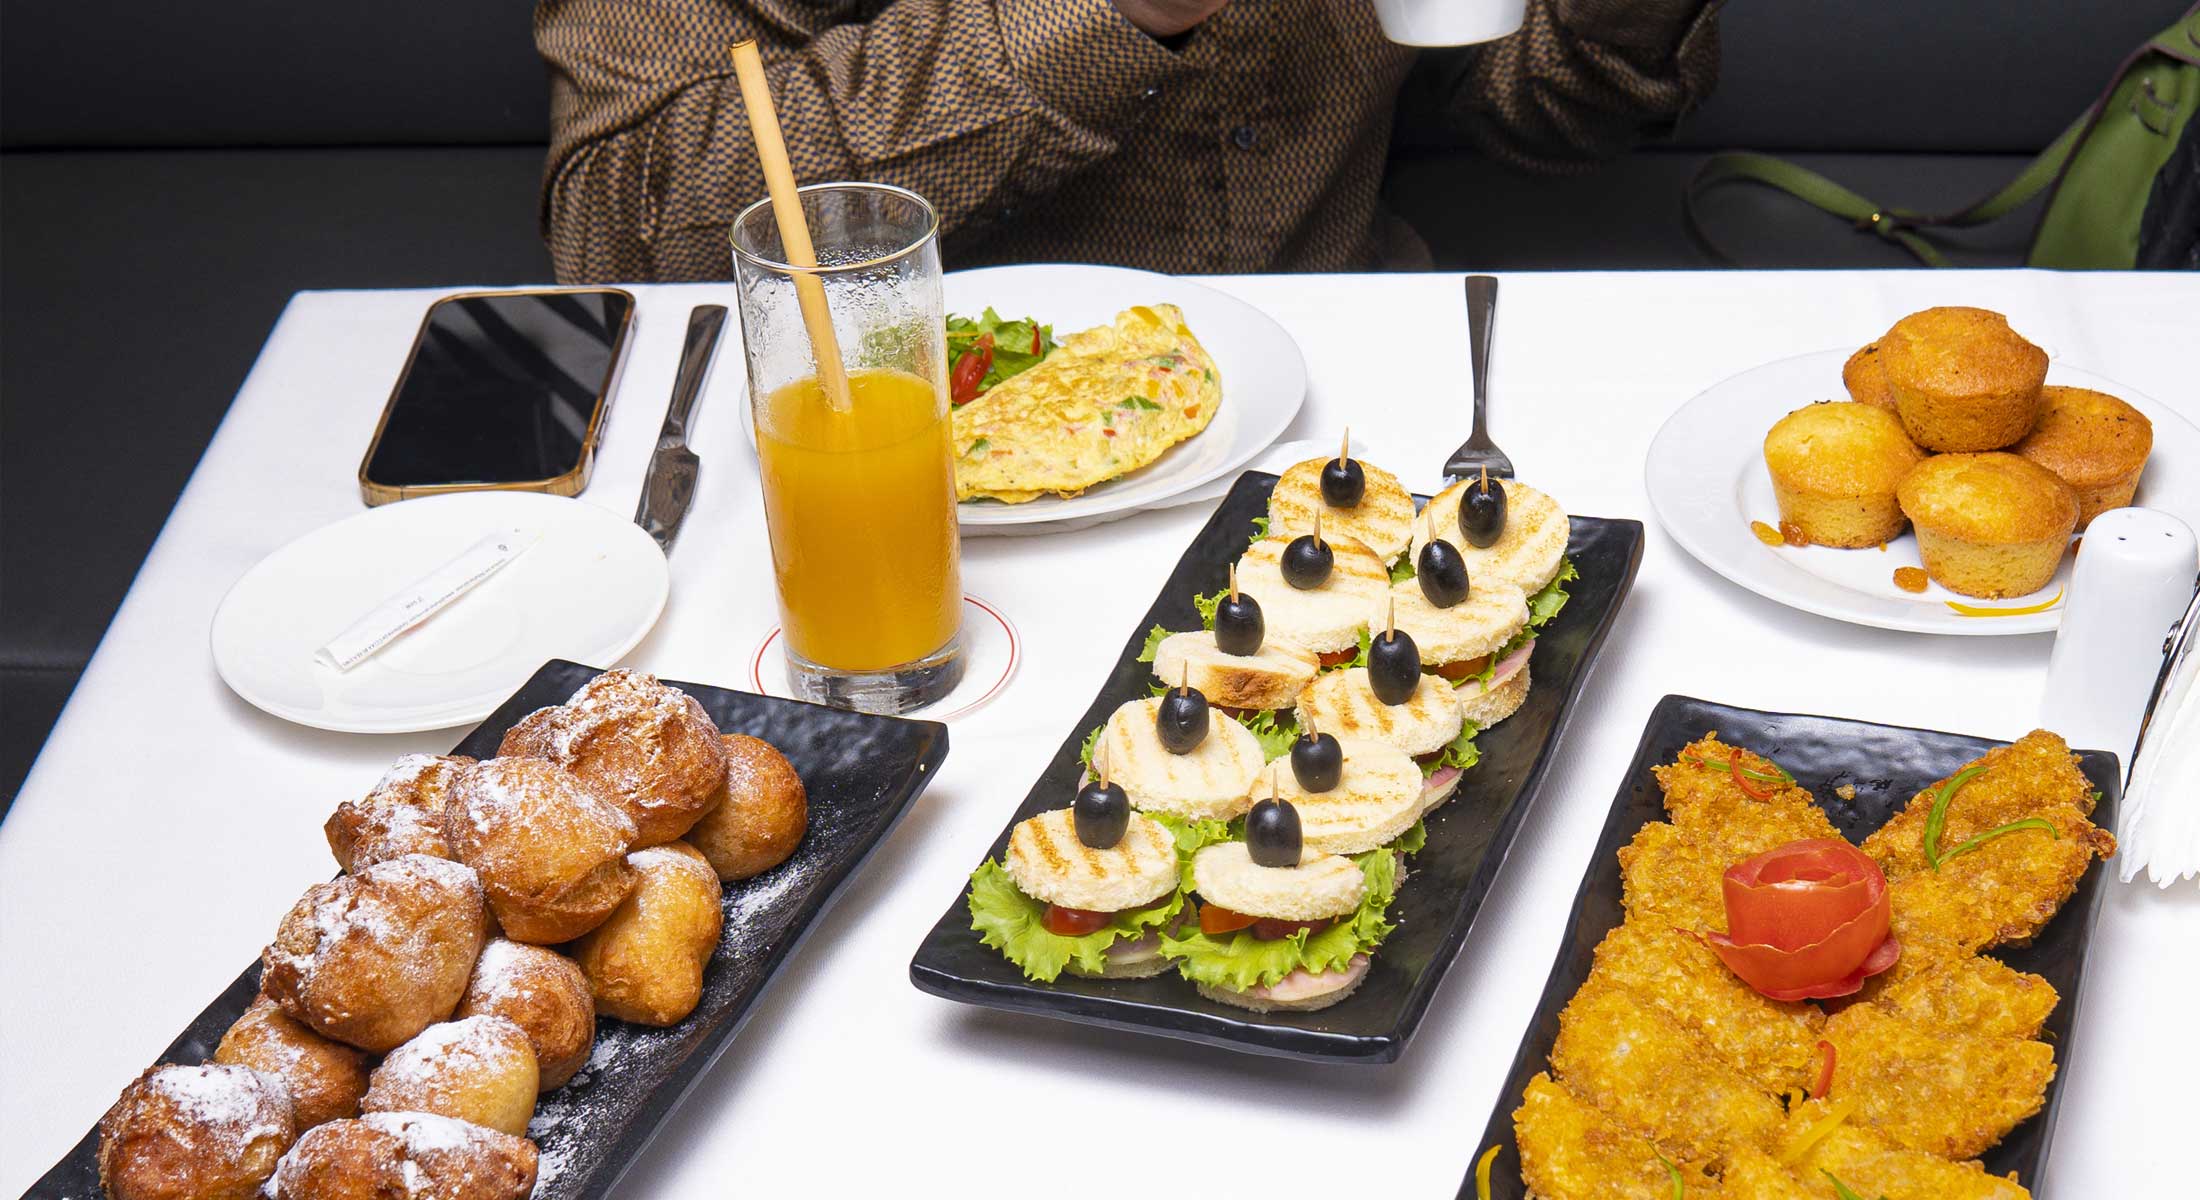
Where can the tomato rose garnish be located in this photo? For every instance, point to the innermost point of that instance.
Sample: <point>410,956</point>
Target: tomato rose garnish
<point>1806,921</point>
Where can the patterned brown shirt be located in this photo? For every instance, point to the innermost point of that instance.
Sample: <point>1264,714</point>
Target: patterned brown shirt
<point>1056,130</point>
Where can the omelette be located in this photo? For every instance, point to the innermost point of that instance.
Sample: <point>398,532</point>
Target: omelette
<point>1108,401</point>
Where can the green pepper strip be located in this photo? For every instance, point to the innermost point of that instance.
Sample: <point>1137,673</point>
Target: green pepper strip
<point>1991,834</point>
<point>1841,1190</point>
<point>1778,776</point>
<point>1673,1173</point>
<point>1937,819</point>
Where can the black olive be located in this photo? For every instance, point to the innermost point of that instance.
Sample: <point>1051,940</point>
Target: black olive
<point>1317,761</point>
<point>1102,814</point>
<point>1239,626</point>
<point>1306,562</point>
<point>1343,483</point>
<point>1442,572</point>
<point>1272,834</point>
<point>1182,720</point>
<point>1482,512</point>
<point>1393,666</point>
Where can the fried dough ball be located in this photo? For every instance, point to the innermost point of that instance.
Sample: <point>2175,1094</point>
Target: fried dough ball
<point>403,814</point>
<point>480,1070</point>
<point>383,1156</point>
<point>211,1132</point>
<point>325,1078</point>
<point>551,852</point>
<point>646,963</point>
<point>373,958</point>
<point>762,817</point>
<point>651,749</point>
<point>542,992</point>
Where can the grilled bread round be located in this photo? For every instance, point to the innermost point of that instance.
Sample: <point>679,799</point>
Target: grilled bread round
<point>1382,520</point>
<point>1377,797</point>
<point>1210,783</point>
<point>1254,682</point>
<point>1492,613</point>
<point>1343,704</point>
<point>1486,707</point>
<point>1324,619</point>
<point>2096,443</point>
<point>1989,525</point>
<point>1300,991</point>
<point>1962,379</point>
<point>1048,863</point>
<point>1322,885</point>
<point>1865,375</point>
<point>1530,550</point>
<point>1834,468</point>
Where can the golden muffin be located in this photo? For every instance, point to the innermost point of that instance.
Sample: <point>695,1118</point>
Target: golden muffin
<point>1866,378</point>
<point>1962,379</point>
<point>1991,524</point>
<point>1834,468</point>
<point>2096,443</point>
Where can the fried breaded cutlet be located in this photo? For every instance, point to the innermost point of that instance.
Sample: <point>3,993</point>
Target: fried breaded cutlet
<point>1654,1077</point>
<point>1569,1150</point>
<point>2036,776</point>
<point>1700,791</point>
<point>1868,1167</point>
<point>1926,1088</point>
<point>1773,1043</point>
<point>1968,994</point>
<point>1674,872</point>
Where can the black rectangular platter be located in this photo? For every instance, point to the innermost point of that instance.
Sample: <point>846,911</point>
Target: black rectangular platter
<point>861,772</point>
<point>1887,765</point>
<point>1467,839</point>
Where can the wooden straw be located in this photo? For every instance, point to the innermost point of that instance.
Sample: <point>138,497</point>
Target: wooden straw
<point>794,231</point>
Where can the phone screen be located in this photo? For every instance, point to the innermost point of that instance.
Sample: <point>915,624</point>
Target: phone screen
<point>501,389</point>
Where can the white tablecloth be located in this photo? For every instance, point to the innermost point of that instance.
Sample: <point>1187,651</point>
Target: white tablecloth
<point>168,825</point>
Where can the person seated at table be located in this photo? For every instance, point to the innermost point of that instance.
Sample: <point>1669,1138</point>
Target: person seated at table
<point>1177,135</point>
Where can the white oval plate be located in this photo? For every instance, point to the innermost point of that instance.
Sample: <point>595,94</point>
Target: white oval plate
<point>588,591</point>
<point>1707,481</point>
<point>1263,381</point>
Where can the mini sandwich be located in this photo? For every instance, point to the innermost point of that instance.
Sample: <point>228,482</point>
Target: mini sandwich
<point>1282,926</point>
<point>1354,499</point>
<point>1315,590</point>
<point>1089,889</point>
<point>1170,757</point>
<point>1235,664</point>
<point>1503,529</point>
<point>1352,795</point>
<point>1479,643</point>
<point>1344,703</point>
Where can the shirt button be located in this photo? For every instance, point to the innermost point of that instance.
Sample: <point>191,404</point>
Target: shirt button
<point>1244,137</point>
<point>1150,93</point>
<point>1010,213</point>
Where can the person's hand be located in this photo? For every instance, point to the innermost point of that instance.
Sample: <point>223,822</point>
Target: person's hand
<point>1167,18</point>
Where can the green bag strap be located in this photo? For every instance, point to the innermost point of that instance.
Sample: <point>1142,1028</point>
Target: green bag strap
<point>1899,225</point>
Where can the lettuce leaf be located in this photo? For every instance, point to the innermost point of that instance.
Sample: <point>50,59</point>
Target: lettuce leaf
<point>1274,729</point>
<point>1012,344</point>
<point>1461,753</point>
<point>1154,638</point>
<point>1207,605</point>
<point>1084,752</point>
<point>1190,834</point>
<point>1402,570</point>
<point>1240,961</point>
<point>1412,840</point>
<point>1359,659</point>
<point>1260,528</point>
<point>1014,924</point>
<point>1545,604</point>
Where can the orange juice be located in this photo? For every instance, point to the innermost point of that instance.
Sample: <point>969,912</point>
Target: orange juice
<point>861,506</point>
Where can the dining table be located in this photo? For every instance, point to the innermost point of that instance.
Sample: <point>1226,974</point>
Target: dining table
<point>167,825</point>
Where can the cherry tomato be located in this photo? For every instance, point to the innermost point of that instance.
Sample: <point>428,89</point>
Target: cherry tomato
<point>1073,922</point>
<point>1276,931</point>
<point>1338,658</point>
<point>970,370</point>
<point>1464,669</point>
<point>1213,918</point>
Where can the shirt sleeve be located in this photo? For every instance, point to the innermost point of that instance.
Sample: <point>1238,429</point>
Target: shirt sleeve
<point>974,104</point>
<point>1582,81</point>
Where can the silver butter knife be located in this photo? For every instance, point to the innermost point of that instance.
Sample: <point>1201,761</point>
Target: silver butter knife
<point>669,487</point>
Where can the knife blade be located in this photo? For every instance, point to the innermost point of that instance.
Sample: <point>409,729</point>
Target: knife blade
<point>669,486</point>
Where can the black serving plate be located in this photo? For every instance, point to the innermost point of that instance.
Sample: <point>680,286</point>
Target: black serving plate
<point>862,774</point>
<point>1467,839</point>
<point>1887,765</point>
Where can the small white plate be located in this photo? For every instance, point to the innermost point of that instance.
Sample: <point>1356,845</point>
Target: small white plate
<point>588,591</point>
<point>1263,381</point>
<point>1707,481</point>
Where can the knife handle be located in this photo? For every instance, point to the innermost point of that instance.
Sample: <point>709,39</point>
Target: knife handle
<point>705,325</point>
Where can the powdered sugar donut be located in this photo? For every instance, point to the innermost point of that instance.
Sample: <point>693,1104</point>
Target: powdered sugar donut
<point>542,992</point>
<point>383,1155</point>
<point>403,814</point>
<point>211,1131</point>
<point>325,1077</point>
<point>551,851</point>
<point>479,1069</point>
<point>649,748</point>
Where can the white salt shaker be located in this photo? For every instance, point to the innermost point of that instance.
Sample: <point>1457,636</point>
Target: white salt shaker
<point>2133,578</point>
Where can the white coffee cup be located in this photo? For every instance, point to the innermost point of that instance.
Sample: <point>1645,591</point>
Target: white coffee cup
<point>1448,22</point>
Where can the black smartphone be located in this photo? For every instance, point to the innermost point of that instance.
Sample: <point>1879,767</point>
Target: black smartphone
<point>502,391</point>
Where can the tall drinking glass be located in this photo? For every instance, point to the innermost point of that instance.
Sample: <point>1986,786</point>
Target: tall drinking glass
<point>860,499</point>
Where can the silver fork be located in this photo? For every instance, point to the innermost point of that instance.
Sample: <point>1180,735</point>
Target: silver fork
<point>1479,453</point>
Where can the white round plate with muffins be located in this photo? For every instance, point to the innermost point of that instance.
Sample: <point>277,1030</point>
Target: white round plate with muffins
<point>1709,481</point>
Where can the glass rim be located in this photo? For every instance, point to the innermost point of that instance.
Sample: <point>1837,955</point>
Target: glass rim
<point>930,231</point>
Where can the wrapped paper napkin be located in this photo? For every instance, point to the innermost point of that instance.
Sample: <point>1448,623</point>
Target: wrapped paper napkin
<point>426,596</point>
